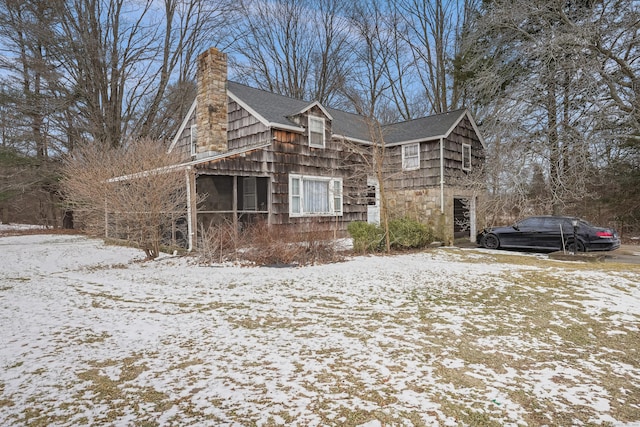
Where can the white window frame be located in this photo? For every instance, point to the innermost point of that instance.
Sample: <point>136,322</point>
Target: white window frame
<point>296,195</point>
<point>466,157</point>
<point>316,121</point>
<point>411,162</point>
<point>193,139</point>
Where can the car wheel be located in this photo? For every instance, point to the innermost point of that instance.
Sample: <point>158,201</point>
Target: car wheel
<point>491,241</point>
<point>575,246</point>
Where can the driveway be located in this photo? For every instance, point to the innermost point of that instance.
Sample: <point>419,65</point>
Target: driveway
<point>626,253</point>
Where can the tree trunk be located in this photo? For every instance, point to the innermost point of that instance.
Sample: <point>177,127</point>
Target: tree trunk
<point>555,151</point>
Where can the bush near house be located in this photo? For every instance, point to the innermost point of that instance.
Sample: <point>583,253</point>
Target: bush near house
<point>408,233</point>
<point>262,244</point>
<point>366,237</point>
<point>405,233</point>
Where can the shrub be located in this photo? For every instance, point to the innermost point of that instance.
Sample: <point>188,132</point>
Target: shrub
<point>131,188</point>
<point>319,247</point>
<point>407,233</point>
<point>366,237</point>
<point>217,243</point>
<point>266,245</point>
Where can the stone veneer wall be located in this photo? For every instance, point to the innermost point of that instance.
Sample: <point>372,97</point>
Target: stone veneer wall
<point>419,204</point>
<point>211,112</point>
<point>424,206</point>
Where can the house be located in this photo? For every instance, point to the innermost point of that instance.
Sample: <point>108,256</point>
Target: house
<point>294,163</point>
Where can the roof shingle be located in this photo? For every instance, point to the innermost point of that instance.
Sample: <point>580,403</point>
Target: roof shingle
<point>276,110</point>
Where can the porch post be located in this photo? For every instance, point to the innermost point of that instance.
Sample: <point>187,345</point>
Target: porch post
<point>441,175</point>
<point>269,198</point>
<point>192,213</point>
<point>235,206</point>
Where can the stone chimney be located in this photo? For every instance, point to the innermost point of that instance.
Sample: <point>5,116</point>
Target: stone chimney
<point>211,112</point>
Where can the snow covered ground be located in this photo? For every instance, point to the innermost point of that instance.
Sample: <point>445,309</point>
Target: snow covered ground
<point>89,335</point>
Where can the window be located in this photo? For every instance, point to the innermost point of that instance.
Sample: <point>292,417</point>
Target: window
<point>337,196</point>
<point>194,139</point>
<point>411,156</point>
<point>249,194</point>
<point>371,195</point>
<point>316,132</point>
<point>530,223</point>
<point>315,196</point>
<point>466,157</point>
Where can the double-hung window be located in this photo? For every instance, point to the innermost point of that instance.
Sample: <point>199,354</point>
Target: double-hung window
<point>466,157</point>
<point>316,132</point>
<point>411,156</point>
<point>315,196</point>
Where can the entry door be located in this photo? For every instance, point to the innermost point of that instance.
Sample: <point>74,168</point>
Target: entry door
<point>373,201</point>
<point>461,218</point>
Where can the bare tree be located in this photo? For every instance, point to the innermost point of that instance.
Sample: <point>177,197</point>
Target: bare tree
<point>432,31</point>
<point>27,36</point>
<point>608,34</point>
<point>368,92</point>
<point>373,50</point>
<point>119,58</point>
<point>78,71</point>
<point>30,98</point>
<point>137,184</point>
<point>526,69</point>
<point>297,48</point>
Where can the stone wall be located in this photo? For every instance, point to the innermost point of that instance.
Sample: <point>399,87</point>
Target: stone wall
<point>418,204</point>
<point>424,206</point>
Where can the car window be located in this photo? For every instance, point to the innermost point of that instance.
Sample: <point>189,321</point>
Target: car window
<point>568,223</point>
<point>530,223</point>
<point>553,223</point>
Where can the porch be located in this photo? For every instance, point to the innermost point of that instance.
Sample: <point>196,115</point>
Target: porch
<point>237,200</point>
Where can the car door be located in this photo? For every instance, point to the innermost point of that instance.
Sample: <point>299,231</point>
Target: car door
<point>551,235</point>
<point>527,233</point>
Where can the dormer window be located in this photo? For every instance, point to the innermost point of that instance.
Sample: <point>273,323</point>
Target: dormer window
<point>316,132</point>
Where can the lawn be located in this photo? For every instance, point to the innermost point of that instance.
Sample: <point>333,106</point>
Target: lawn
<point>446,337</point>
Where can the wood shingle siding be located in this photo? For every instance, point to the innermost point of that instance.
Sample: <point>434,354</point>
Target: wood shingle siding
<point>244,129</point>
<point>267,139</point>
<point>288,153</point>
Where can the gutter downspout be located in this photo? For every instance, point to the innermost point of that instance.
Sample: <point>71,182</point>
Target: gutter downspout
<point>441,175</point>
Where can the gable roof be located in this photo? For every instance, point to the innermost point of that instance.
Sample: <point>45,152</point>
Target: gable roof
<point>275,110</point>
<point>320,106</point>
<point>428,128</point>
<point>270,108</point>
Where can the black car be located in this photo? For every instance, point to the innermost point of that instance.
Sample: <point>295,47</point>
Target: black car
<point>550,233</point>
